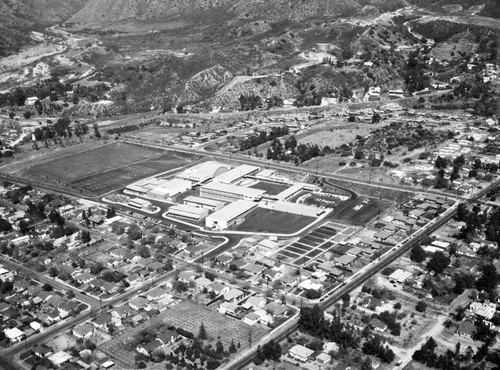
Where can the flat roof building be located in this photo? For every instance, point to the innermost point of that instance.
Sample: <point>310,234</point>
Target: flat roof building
<point>210,204</point>
<point>158,188</point>
<point>189,212</point>
<point>139,203</point>
<point>230,192</point>
<point>230,215</point>
<point>237,173</point>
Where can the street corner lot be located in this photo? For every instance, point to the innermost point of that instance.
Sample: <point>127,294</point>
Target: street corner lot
<point>270,221</point>
<point>362,211</point>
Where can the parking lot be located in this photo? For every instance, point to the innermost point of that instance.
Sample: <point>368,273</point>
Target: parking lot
<point>314,244</point>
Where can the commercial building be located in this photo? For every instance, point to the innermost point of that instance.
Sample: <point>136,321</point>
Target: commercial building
<point>139,203</point>
<point>295,189</point>
<point>158,188</point>
<point>230,192</point>
<point>230,215</point>
<point>236,174</point>
<point>211,205</point>
<point>189,212</point>
<point>204,171</point>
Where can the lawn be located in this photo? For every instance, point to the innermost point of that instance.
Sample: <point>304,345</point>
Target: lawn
<point>271,188</point>
<point>270,221</point>
<point>362,211</point>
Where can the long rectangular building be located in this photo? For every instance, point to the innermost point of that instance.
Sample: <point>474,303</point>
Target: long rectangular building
<point>237,173</point>
<point>189,212</point>
<point>210,204</point>
<point>230,192</point>
<point>233,213</point>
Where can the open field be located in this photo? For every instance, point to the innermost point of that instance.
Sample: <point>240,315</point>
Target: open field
<point>110,156</point>
<point>104,182</point>
<point>100,170</point>
<point>362,210</point>
<point>270,221</point>
<point>334,133</point>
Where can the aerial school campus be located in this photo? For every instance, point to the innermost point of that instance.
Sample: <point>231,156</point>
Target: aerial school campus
<point>223,251</point>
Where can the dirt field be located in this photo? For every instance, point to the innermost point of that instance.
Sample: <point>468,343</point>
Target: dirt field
<point>334,133</point>
<point>265,220</point>
<point>362,211</point>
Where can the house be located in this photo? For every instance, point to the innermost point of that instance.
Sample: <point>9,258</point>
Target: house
<point>228,307</point>
<point>344,260</point>
<point>233,295</point>
<point>168,337</point>
<point>485,310</point>
<point>323,358</point>
<point>202,282</point>
<point>371,303</point>
<point>378,325</point>
<point>399,276</point>
<point>14,335</point>
<point>85,278</point>
<point>254,302</point>
<point>42,350</point>
<point>59,358</point>
<point>276,309</point>
<point>187,276</point>
<point>83,331</point>
<point>121,312</point>
<point>271,275</point>
<point>466,329</point>
<point>300,353</point>
<point>290,280</point>
<point>138,303</point>
<point>251,319</point>
<point>218,288</point>
<point>156,294</point>
<point>102,321</point>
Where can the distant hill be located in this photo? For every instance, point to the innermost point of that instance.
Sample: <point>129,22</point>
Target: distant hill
<point>18,17</point>
<point>97,11</point>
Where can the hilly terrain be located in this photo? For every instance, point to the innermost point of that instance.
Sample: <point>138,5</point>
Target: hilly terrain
<point>18,17</point>
<point>152,54</point>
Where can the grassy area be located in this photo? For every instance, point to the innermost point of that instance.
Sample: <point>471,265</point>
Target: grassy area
<point>362,211</point>
<point>271,188</point>
<point>265,220</point>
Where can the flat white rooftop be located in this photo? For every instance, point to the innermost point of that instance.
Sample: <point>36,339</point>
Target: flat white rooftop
<point>185,209</point>
<point>233,210</point>
<point>236,173</point>
<point>233,189</point>
<point>203,201</point>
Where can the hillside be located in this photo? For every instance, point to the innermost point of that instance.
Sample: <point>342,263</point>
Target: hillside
<point>97,11</point>
<point>18,17</point>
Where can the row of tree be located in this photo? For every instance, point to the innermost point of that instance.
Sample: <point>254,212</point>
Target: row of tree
<point>263,137</point>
